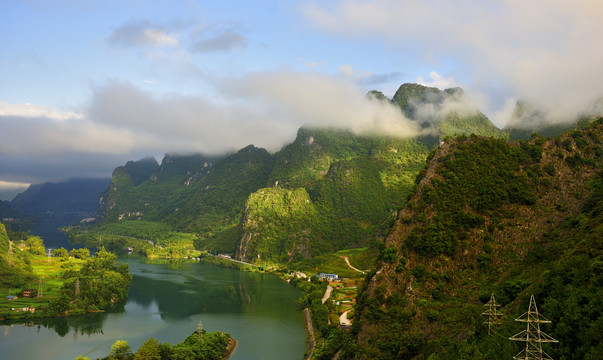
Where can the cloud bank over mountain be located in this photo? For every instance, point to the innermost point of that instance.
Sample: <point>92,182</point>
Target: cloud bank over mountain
<point>548,52</point>
<point>123,121</point>
<point>109,86</point>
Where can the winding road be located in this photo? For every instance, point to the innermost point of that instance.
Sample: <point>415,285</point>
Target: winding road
<point>327,294</point>
<point>343,319</point>
<point>350,265</point>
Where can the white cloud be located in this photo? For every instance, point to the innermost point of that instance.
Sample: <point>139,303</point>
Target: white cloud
<point>437,81</point>
<point>264,109</point>
<point>321,100</point>
<point>36,111</point>
<point>35,130</point>
<point>160,38</point>
<point>136,33</point>
<point>547,51</point>
<point>13,185</point>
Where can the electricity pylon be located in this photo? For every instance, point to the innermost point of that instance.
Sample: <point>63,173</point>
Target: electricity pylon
<point>492,313</point>
<point>532,335</point>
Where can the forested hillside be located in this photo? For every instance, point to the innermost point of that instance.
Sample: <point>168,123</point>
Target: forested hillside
<point>487,216</point>
<point>76,195</point>
<point>6,211</point>
<point>327,190</point>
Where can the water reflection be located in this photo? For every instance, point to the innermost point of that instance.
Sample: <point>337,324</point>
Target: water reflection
<point>181,292</point>
<point>84,325</point>
<point>166,302</point>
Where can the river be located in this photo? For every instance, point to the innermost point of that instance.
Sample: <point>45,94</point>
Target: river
<point>167,302</point>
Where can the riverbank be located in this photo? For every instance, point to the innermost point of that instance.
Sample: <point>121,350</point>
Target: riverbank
<point>309,333</point>
<point>167,301</point>
<point>67,286</point>
<point>230,348</point>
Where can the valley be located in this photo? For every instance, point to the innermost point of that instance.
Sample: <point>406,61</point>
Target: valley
<point>422,230</point>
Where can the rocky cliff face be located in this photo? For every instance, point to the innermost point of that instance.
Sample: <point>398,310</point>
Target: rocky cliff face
<point>486,217</point>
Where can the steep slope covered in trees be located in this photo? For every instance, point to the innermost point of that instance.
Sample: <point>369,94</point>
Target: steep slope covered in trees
<point>330,190</point>
<point>331,186</point>
<point>487,216</point>
<point>76,195</point>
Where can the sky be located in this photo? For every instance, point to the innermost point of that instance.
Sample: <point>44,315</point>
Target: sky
<point>87,85</point>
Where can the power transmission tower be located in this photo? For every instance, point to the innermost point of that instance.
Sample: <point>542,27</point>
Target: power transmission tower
<point>532,335</point>
<point>199,330</point>
<point>492,313</point>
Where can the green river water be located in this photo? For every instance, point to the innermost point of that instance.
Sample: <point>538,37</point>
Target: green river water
<point>167,302</point>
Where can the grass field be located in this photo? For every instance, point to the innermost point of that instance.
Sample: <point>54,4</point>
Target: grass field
<point>49,271</point>
<point>360,258</point>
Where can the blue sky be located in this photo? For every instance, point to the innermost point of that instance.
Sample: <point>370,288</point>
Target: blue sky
<point>88,85</point>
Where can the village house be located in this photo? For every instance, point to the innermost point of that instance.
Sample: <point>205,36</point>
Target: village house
<point>328,277</point>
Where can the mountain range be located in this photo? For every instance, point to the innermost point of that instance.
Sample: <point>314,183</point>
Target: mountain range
<point>327,190</point>
<point>457,215</point>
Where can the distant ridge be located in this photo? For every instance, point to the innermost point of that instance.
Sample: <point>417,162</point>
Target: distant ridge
<point>76,195</point>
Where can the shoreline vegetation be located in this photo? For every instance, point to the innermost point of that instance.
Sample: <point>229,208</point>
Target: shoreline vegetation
<point>35,284</point>
<point>318,323</point>
<point>200,345</point>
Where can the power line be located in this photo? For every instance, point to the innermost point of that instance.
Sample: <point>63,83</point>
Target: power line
<point>532,335</point>
<point>492,313</point>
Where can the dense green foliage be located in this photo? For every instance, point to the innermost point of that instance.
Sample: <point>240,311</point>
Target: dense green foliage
<point>331,186</point>
<point>99,285</point>
<point>220,196</point>
<point>200,345</point>
<point>72,286</point>
<point>277,220</point>
<point>343,188</point>
<point>476,179</point>
<point>334,263</point>
<point>194,194</point>
<point>15,268</point>
<point>152,239</point>
<point>490,217</point>
<point>457,123</point>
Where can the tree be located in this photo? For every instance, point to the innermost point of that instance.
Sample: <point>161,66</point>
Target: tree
<point>60,253</point>
<point>80,253</point>
<point>149,350</point>
<point>120,350</point>
<point>35,245</point>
